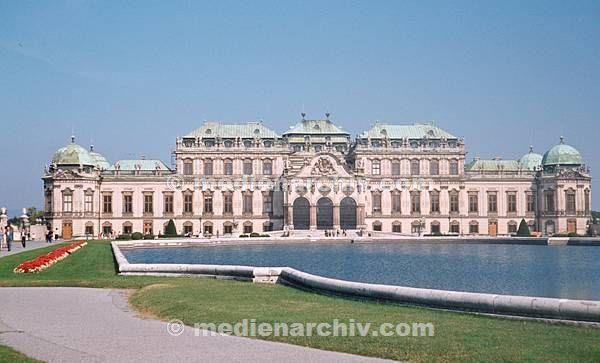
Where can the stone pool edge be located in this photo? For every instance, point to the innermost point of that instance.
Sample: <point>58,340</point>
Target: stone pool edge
<point>526,306</point>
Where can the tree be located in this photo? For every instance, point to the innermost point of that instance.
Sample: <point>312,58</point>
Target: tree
<point>523,229</point>
<point>171,230</point>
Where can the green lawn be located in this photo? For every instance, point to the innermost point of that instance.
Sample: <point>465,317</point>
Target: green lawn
<point>9,355</point>
<point>458,336</point>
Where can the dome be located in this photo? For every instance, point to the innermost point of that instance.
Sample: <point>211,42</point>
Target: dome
<point>73,154</point>
<point>562,154</point>
<point>99,159</point>
<point>531,160</point>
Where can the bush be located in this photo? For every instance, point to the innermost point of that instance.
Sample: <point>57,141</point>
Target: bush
<point>243,235</point>
<point>523,229</point>
<point>254,234</point>
<point>149,236</point>
<point>573,234</point>
<point>136,235</point>
<point>171,230</point>
<point>124,237</point>
<point>265,235</point>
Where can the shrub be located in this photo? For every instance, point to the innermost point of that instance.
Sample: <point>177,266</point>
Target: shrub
<point>171,230</point>
<point>136,235</point>
<point>254,234</point>
<point>265,235</point>
<point>243,235</point>
<point>149,236</point>
<point>124,237</point>
<point>523,229</point>
<point>572,234</point>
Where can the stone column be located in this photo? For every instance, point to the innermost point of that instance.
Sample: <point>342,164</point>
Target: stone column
<point>290,217</point>
<point>360,216</point>
<point>336,217</point>
<point>313,217</point>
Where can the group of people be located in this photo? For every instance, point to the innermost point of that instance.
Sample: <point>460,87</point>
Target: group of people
<point>329,233</point>
<point>7,235</point>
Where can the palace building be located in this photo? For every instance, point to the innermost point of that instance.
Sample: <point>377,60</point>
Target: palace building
<point>229,179</point>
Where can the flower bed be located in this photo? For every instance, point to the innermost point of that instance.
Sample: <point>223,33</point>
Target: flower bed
<point>43,262</point>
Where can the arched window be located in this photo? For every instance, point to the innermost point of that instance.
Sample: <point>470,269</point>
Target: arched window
<point>512,227</point>
<point>473,227</point>
<point>397,227</point>
<point>377,226</point>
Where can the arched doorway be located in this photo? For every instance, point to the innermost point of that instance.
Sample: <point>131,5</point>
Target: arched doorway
<point>324,213</point>
<point>301,213</point>
<point>348,213</point>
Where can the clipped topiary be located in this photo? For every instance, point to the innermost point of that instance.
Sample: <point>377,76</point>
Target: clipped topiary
<point>523,229</point>
<point>171,230</point>
<point>136,235</point>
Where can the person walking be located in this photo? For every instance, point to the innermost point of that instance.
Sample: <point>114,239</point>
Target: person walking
<point>23,238</point>
<point>1,238</point>
<point>9,236</point>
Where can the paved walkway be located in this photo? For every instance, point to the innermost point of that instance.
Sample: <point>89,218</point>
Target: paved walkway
<point>96,325</point>
<point>17,248</point>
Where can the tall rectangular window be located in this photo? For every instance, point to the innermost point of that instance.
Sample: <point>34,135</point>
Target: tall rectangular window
<point>571,204</point>
<point>188,203</point>
<point>453,167</point>
<point>396,202</point>
<point>434,167</point>
<point>127,204</point>
<point>492,203</point>
<point>227,203</point>
<point>168,203</point>
<point>376,167</point>
<point>267,203</point>
<point>473,203</point>
<point>188,167</point>
<point>454,202</point>
<point>268,167</point>
<point>376,196</point>
<point>549,201</point>
<point>395,167</point>
<point>107,203</point>
<point>148,203</point>
<point>208,203</point>
<point>435,201</point>
<point>530,202</point>
<point>415,167</point>
<point>587,201</point>
<point>89,202</point>
<point>247,167</point>
<point>228,167</point>
<point>67,203</point>
<point>511,202</point>
<point>208,167</point>
<point>415,201</point>
<point>247,205</point>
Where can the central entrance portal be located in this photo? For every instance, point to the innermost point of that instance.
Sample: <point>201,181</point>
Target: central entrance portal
<point>301,213</point>
<point>324,214</point>
<point>348,213</point>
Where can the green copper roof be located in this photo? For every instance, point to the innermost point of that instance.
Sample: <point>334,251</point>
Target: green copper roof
<point>99,160</point>
<point>415,131</point>
<point>492,165</point>
<point>212,129</point>
<point>73,154</point>
<point>145,164</point>
<point>531,160</point>
<point>315,127</point>
<point>562,154</point>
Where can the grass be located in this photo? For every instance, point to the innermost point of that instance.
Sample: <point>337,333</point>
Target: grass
<point>458,336</point>
<point>9,355</point>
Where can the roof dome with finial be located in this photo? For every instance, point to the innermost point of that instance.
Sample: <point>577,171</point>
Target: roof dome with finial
<point>562,154</point>
<point>73,154</point>
<point>531,160</point>
<point>99,159</point>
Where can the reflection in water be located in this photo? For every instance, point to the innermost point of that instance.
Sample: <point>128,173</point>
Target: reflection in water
<point>566,272</point>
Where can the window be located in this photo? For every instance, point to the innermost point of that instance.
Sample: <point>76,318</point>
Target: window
<point>376,196</point>
<point>453,167</point>
<point>415,227</point>
<point>89,230</point>
<point>228,167</point>
<point>396,202</point>
<point>228,143</point>
<point>455,227</point>
<point>267,203</point>
<point>168,203</point>
<point>587,201</point>
<point>473,203</point>
<point>127,228</point>
<point>415,201</point>
<point>530,202</point>
<point>148,204</point>
<point>434,167</point>
<point>492,203</point>
<point>227,229</point>
<point>512,227</point>
<point>247,167</point>
<point>570,201</point>
<point>147,227</point>
<point>227,203</point>
<point>549,201</point>
<point>247,143</point>
<point>268,227</point>
<point>434,197</point>
<point>68,202</point>
<point>377,226</point>
<point>107,203</point>
<point>248,227</point>
<point>127,204</point>
<point>474,228</point>
<point>454,202</point>
<point>188,167</point>
<point>188,229</point>
<point>268,167</point>
<point>208,203</point>
<point>376,167</point>
<point>397,227</point>
<point>395,167</point>
<point>208,167</point>
<point>415,167</point>
<point>511,201</point>
<point>435,228</point>
<point>48,201</point>
<point>247,205</point>
<point>268,143</point>
<point>188,203</point>
<point>89,202</point>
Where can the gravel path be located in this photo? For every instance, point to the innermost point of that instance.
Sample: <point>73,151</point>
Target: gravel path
<point>97,325</point>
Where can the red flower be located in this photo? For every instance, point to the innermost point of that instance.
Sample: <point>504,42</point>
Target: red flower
<point>45,261</point>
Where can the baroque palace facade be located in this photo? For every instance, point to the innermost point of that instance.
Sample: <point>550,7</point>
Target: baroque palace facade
<point>242,178</point>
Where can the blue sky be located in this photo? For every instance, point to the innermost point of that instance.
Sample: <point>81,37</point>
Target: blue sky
<point>131,76</point>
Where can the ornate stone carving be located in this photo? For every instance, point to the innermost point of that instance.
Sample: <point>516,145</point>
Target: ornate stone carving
<point>323,166</point>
